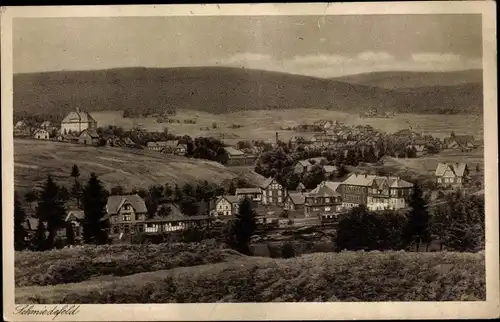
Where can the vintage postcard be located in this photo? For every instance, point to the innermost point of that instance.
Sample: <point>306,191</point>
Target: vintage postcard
<point>250,162</point>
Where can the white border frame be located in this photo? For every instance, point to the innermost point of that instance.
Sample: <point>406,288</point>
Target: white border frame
<point>268,311</point>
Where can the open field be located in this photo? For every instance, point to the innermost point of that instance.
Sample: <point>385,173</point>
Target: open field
<point>346,276</point>
<point>427,164</point>
<point>130,168</point>
<point>263,124</point>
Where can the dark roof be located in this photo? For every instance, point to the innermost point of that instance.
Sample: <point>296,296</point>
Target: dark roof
<point>115,202</point>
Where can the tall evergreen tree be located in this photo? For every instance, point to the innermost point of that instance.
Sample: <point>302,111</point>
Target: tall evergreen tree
<point>242,228</point>
<point>418,226</point>
<point>94,207</point>
<point>76,189</point>
<point>70,234</point>
<point>51,209</point>
<point>40,240</point>
<point>19,220</point>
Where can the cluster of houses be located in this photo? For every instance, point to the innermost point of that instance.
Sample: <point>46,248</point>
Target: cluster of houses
<point>127,214</point>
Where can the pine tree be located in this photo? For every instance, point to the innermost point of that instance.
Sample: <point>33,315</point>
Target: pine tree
<point>94,207</point>
<point>242,227</point>
<point>76,189</point>
<point>40,240</point>
<point>231,190</point>
<point>418,226</point>
<point>51,209</point>
<point>19,220</point>
<point>70,235</point>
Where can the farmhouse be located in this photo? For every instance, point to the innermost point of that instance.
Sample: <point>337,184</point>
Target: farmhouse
<point>72,221</point>
<point>77,121</point>
<point>451,174</point>
<point>156,146</point>
<point>66,138</point>
<point>126,214</point>
<point>41,134</point>
<point>89,137</point>
<point>181,149</point>
<point>254,194</point>
<point>273,193</point>
<point>323,199</point>
<point>226,206</point>
<point>294,201</point>
<point>170,146</point>
<point>112,140</point>
<point>169,218</point>
<point>237,157</point>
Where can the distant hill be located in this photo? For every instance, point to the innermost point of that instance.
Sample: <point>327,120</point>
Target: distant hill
<point>398,80</point>
<point>221,90</point>
<point>35,159</point>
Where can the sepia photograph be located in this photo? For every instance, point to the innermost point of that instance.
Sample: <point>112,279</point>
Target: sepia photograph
<point>249,154</point>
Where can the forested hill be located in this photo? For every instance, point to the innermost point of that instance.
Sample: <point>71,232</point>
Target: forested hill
<point>222,90</point>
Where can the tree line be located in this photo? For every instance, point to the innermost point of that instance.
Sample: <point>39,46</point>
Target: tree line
<point>458,225</point>
<point>50,213</point>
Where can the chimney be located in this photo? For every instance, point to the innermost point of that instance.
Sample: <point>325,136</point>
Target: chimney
<point>366,175</point>
<point>276,137</point>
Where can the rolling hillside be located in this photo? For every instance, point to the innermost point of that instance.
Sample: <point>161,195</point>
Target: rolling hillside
<point>34,160</point>
<point>221,90</point>
<point>405,80</point>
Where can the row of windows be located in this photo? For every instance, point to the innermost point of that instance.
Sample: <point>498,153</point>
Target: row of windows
<point>270,193</point>
<point>449,180</point>
<point>354,189</point>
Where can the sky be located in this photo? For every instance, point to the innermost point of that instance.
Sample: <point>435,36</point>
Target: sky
<point>320,46</point>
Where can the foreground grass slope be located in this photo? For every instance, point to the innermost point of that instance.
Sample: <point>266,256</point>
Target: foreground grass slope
<point>34,160</point>
<point>347,276</point>
<point>81,264</point>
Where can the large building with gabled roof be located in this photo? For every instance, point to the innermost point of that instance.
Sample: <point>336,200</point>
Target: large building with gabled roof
<point>77,121</point>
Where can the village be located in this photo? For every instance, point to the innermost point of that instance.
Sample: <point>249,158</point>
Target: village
<point>278,203</point>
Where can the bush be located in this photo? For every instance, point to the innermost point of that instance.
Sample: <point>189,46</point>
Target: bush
<point>81,263</point>
<point>287,251</point>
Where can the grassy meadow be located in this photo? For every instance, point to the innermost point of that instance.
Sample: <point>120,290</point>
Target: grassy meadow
<point>263,124</point>
<point>183,274</point>
<point>130,168</point>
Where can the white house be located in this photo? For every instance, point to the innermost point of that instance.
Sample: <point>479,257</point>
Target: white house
<point>41,134</point>
<point>226,205</point>
<point>77,121</point>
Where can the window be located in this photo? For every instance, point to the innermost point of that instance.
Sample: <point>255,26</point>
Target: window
<point>327,200</point>
<point>279,199</point>
<point>439,180</point>
<point>279,192</point>
<point>126,218</point>
<point>459,180</point>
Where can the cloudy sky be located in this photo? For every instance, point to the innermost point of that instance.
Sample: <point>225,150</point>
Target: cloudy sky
<point>322,46</point>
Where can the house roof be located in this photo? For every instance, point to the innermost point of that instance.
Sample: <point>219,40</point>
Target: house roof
<point>267,182</point>
<point>115,202</point>
<point>457,168</point>
<point>462,139</point>
<point>230,198</point>
<point>304,163</point>
<point>233,152</point>
<point>157,143</point>
<point>326,188</point>
<point>247,190</point>
<point>91,132</point>
<point>369,180</point>
<point>78,214</point>
<point>31,223</point>
<point>297,198</point>
<point>78,117</point>
<point>46,123</point>
<point>330,168</point>
<point>40,130</point>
